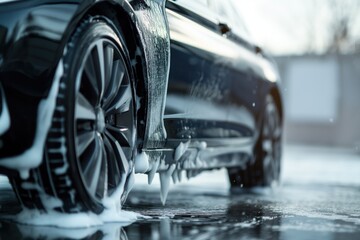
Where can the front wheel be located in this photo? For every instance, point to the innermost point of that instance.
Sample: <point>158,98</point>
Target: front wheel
<point>91,143</point>
<point>265,169</point>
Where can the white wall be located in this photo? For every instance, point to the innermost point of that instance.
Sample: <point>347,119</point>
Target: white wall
<point>312,90</point>
<point>322,99</point>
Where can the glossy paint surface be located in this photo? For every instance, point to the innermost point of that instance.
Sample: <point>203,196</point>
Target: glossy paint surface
<point>153,29</point>
<point>215,81</point>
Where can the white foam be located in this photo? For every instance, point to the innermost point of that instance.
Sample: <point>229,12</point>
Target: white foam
<point>76,220</point>
<point>141,163</point>
<point>112,213</point>
<point>180,150</point>
<point>165,182</point>
<point>175,176</point>
<point>154,168</point>
<point>48,201</point>
<point>5,116</point>
<point>200,145</point>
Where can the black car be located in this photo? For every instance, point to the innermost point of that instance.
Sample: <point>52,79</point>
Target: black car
<point>93,91</point>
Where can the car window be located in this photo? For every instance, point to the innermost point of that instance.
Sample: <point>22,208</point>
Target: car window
<point>200,7</point>
<point>227,13</point>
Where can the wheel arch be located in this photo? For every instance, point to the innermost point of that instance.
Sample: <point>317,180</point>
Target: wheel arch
<point>150,102</point>
<point>123,18</point>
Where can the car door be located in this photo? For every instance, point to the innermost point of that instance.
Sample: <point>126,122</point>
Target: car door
<point>246,74</point>
<point>204,64</point>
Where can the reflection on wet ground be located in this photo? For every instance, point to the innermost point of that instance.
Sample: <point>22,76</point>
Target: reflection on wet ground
<point>319,209</point>
<point>316,212</point>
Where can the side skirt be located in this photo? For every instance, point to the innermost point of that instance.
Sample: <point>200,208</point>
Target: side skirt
<point>200,154</point>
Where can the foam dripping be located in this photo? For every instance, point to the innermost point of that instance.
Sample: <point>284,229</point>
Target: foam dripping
<point>165,182</point>
<point>112,213</point>
<point>141,163</point>
<point>4,115</point>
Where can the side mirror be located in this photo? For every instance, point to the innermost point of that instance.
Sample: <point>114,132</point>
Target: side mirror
<point>258,50</point>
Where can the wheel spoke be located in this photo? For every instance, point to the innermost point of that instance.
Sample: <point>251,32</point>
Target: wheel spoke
<point>122,102</point>
<point>108,58</point>
<point>90,71</point>
<point>124,164</point>
<point>83,141</point>
<point>114,174</point>
<point>93,172</point>
<point>119,134</point>
<point>83,109</point>
<point>116,81</point>
<point>88,161</point>
<point>102,185</point>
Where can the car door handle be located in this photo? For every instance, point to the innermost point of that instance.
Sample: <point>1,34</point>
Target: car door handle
<point>224,28</point>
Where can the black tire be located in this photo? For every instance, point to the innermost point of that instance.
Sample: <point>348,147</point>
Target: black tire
<point>264,170</point>
<point>90,146</point>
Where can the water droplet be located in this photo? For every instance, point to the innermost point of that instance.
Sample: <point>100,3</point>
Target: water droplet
<point>253,104</point>
<point>331,120</point>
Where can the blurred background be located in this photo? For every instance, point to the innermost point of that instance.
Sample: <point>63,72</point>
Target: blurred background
<point>316,44</point>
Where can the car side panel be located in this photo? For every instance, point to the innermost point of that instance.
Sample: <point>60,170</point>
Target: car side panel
<point>212,83</point>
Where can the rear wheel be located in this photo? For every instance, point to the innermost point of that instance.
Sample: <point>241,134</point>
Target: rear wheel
<point>91,144</point>
<point>265,169</point>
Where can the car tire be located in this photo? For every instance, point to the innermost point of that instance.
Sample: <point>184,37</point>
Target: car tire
<point>264,167</point>
<point>90,147</point>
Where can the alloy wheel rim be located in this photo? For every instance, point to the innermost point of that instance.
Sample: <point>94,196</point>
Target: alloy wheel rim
<point>271,143</point>
<point>103,119</point>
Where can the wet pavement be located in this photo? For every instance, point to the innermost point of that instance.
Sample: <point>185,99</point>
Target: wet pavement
<point>319,198</point>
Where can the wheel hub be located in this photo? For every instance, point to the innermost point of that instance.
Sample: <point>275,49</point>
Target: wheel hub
<point>100,120</point>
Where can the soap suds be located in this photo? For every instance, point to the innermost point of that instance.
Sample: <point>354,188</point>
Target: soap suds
<point>76,220</point>
<point>165,182</point>
<point>175,176</point>
<point>112,213</point>
<point>141,163</point>
<point>5,116</point>
<point>180,150</point>
<point>154,168</point>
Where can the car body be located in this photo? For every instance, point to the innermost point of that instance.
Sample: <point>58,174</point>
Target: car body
<point>201,93</point>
